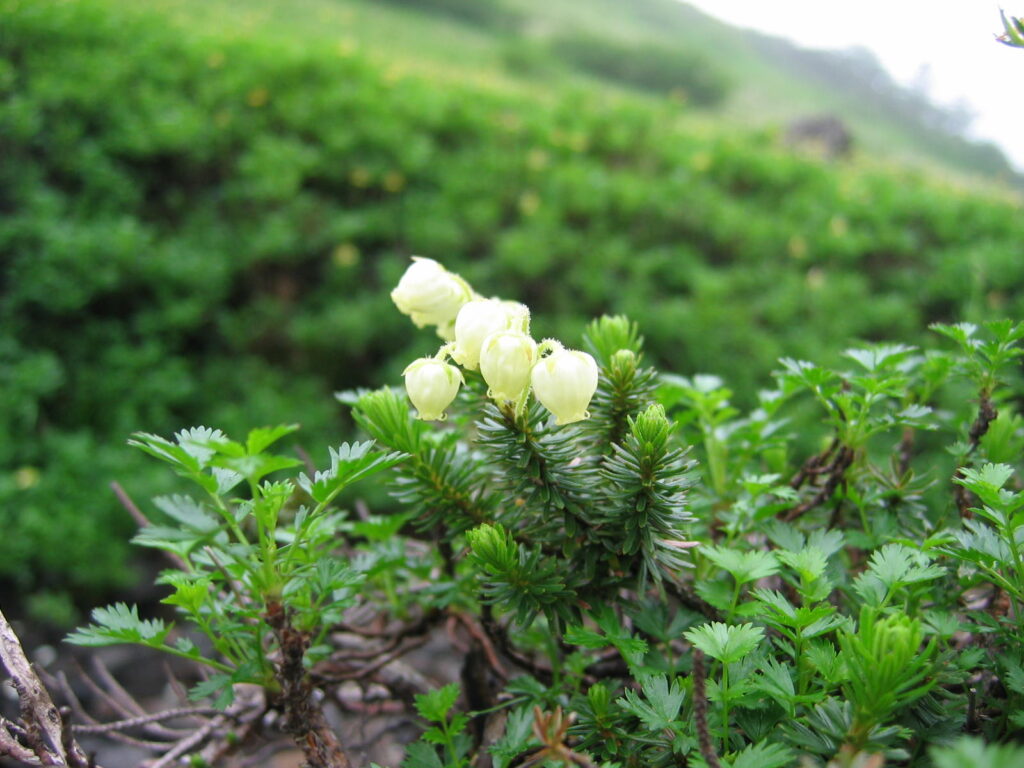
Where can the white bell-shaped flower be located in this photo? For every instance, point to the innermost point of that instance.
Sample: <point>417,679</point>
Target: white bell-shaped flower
<point>565,382</point>
<point>506,358</point>
<point>479,319</point>
<point>432,385</point>
<point>431,295</point>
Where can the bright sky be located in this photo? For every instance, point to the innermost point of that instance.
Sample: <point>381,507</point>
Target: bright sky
<point>953,38</point>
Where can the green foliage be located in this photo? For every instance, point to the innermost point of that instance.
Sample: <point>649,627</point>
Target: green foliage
<point>660,705</point>
<point>975,753</point>
<point>121,624</point>
<point>193,211</point>
<point>727,644</point>
<point>489,14</point>
<point>439,480</point>
<point>447,731</point>
<point>520,578</point>
<point>646,513</point>
<point>1013,30</point>
<point>887,668</point>
<point>252,568</point>
<point>549,518</point>
<point>662,69</point>
<point>672,614</point>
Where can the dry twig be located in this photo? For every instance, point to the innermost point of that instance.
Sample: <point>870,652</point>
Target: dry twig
<point>40,736</point>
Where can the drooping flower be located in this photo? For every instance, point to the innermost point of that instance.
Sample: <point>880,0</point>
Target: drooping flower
<point>431,295</point>
<point>565,382</point>
<point>479,319</point>
<point>506,358</point>
<point>432,385</point>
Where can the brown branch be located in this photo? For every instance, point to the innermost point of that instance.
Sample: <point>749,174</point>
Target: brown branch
<point>303,718</point>
<point>906,450</point>
<point>143,522</point>
<point>478,634</point>
<point>116,689</point>
<point>191,741</point>
<point>81,714</point>
<point>499,635</point>
<point>700,711</point>
<point>109,699</point>
<point>303,454</point>
<point>233,585</point>
<point>41,721</point>
<point>987,413</point>
<point>834,473</point>
<point>134,722</point>
<point>814,465</point>
<point>11,746</point>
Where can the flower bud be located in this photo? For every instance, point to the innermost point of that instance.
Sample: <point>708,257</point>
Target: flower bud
<point>431,295</point>
<point>432,385</point>
<point>479,319</point>
<point>564,382</point>
<point>506,358</point>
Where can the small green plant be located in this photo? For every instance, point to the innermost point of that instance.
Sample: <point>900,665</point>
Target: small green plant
<point>648,575</point>
<point>447,731</point>
<point>1013,31</point>
<point>257,572</point>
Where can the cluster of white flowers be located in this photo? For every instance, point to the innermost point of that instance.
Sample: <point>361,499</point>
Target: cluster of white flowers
<point>494,336</point>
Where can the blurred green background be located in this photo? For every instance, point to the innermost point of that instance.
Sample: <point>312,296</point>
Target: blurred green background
<point>205,204</point>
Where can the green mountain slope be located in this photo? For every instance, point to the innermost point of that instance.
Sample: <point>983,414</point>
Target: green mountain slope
<point>775,81</point>
<point>521,45</point>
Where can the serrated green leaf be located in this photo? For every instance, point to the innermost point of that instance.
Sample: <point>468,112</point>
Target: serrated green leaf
<point>586,638</point>
<point>660,705</point>
<point>254,468</point>
<point>895,564</point>
<point>419,754</point>
<point>809,563</point>
<point>381,527</point>
<point>764,755</point>
<point>880,356</point>
<point>163,449</point>
<point>727,644</point>
<point>973,752</point>
<point>188,513</point>
<point>1013,678</point>
<point>776,680</point>
<point>202,443</point>
<point>776,601</point>
<point>516,739</point>
<point>743,566</point>
<point>350,463</point>
<point>120,623</point>
<point>435,705</point>
<point>261,438</point>
<point>220,686</point>
<point>718,593</point>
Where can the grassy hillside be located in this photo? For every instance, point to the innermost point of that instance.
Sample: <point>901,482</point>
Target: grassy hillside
<point>770,80</point>
<point>206,209</point>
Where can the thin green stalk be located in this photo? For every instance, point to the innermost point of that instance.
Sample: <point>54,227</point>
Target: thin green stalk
<point>1011,543</point>
<point>725,708</point>
<point>801,668</point>
<point>716,457</point>
<point>212,663</point>
<point>388,582</point>
<point>735,598</point>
